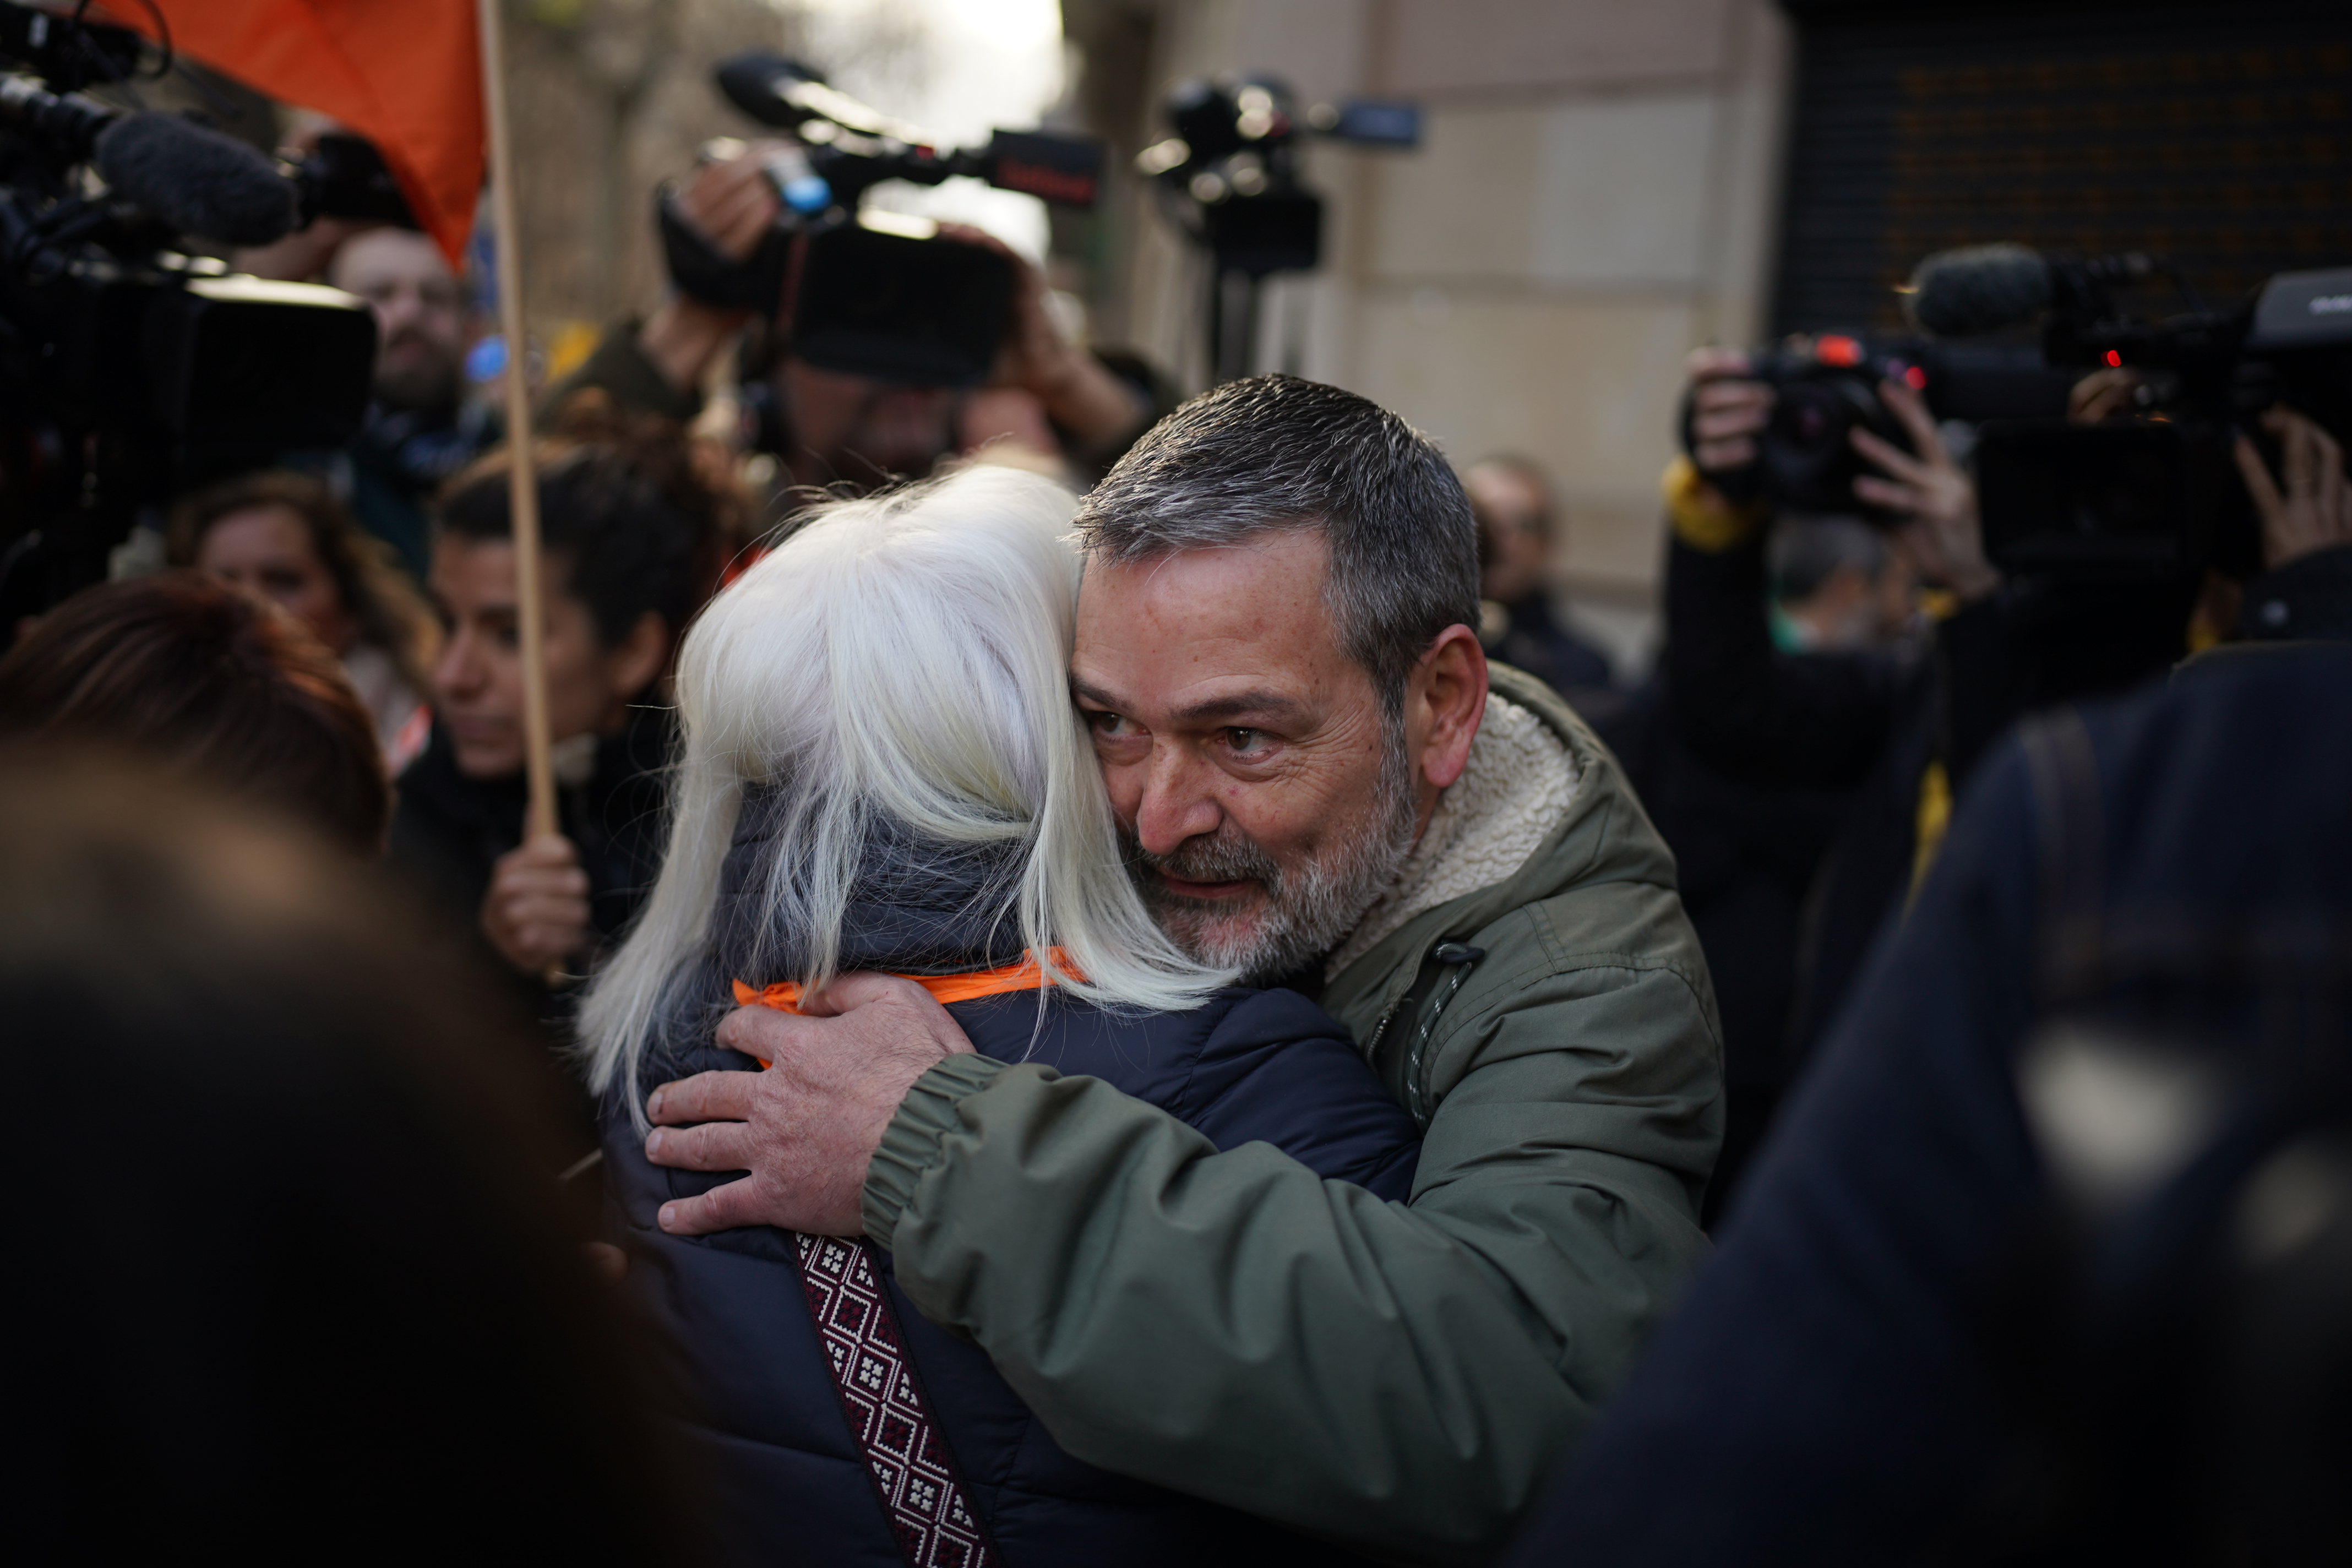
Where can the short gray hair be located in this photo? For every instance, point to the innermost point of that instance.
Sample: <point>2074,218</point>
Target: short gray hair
<point>1273,453</point>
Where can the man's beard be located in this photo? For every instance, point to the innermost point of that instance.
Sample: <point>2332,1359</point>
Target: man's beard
<point>1304,913</point>
<point>428,382</point>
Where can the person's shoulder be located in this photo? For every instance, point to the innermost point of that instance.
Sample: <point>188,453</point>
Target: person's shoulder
<point>1240,1021</point>
<point>1150,1054</point>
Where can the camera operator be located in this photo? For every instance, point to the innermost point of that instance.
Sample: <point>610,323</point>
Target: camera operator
<point>421,427</point>
<point>1803,776</point>
<point>1053,400</point>
<point>1748,850</point>
<point>1899,735</point>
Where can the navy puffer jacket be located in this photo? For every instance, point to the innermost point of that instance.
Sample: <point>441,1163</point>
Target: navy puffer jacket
<point>759,1417</point>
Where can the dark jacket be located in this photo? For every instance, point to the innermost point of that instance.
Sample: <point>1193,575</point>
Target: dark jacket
<point>1787,785</point>
<point>1747,855</point>
<point>448,830</point>
<point>1531,638</point>
<point>1853,1377</point>
<point>762,1421</point>
<point>390,473</point>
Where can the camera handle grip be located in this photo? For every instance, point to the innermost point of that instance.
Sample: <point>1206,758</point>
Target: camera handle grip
<point>702,270</point>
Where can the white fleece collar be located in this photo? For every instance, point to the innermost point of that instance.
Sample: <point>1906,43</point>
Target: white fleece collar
<point>1518,781</point>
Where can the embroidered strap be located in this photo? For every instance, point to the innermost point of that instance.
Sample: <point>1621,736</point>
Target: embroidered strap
<point>912,1473</point>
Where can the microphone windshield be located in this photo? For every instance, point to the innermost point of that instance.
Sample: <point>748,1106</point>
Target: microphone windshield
<point>197,180</point>
<point>1981,288</point>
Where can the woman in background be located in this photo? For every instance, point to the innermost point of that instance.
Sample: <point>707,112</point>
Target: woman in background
<point>285,537</point>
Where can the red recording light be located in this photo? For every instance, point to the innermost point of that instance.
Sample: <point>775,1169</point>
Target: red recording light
<point>1915,378</point>
<point>1841,352</point>
<point>2114,359</point>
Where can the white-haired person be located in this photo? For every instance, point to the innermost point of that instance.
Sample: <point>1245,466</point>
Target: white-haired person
<point>882,770</point>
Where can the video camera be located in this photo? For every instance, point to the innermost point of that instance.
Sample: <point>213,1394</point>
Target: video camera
<point>1229,180</point>
<point>2157,493</point>
<point>871,294</point>
<point>2156,496</point>
<point>128,369</point>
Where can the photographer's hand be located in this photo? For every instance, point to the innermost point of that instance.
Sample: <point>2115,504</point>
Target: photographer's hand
<point>1932,494</point>
<point>303,255</point>
<point>2314,513</point>
<point>2102,394</point>
<point>1094,407</point>
<point>733,204</point>
<point>1728,411</point>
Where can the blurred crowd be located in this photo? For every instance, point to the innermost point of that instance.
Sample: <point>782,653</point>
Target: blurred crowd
<point>400,1221</point>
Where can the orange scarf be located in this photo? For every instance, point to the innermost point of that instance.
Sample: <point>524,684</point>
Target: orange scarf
<point>784,996</point>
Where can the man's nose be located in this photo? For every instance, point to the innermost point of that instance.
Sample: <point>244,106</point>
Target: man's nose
<point>1178,801</point>
<point>395,310</point>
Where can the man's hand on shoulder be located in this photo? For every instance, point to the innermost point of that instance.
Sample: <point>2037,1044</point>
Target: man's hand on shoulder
<point>805,1128</point>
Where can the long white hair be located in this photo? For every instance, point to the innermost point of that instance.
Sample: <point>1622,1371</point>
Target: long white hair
<point>899,664</point>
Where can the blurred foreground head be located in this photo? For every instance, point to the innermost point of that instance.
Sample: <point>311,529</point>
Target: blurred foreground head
<point>203,683</point>
<point>309,1290</point>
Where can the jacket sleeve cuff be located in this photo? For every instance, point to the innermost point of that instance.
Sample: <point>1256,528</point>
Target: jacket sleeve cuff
<point>910,1144</point>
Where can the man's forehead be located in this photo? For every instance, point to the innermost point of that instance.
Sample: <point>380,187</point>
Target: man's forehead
<point>1233,626</point>
<point>389,256</point>
<point>1275,562</point>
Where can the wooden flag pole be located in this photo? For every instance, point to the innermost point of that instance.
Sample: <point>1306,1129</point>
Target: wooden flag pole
<point>530,612</point>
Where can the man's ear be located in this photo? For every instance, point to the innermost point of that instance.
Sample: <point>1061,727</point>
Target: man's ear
<point>1450,685</point>
<point>632,664</point>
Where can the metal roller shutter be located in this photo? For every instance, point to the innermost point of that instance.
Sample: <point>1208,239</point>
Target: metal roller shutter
<point>2220,136</point>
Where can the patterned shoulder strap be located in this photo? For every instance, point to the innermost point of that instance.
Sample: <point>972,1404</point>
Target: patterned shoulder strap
<point>907,1459</point>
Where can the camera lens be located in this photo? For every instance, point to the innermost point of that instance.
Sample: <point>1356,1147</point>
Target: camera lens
<point>1808,421</point>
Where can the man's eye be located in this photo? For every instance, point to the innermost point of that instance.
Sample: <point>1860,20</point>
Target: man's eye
<point>1244,741</point>
<point>1108,724</point>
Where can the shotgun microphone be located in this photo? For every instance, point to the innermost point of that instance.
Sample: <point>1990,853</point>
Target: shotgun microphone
<point>198,182</point>
<point>1980,289</point>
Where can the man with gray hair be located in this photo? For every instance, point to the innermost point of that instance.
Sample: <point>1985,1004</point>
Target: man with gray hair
<point>1321,784</point>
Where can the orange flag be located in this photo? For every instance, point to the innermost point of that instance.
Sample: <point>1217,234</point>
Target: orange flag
<point>406,74</point>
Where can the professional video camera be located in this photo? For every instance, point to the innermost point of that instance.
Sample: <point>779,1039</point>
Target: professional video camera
<point>2157,493</point>
<point>872,293</point>
<point>128,369</point>
<point>1229,180</point>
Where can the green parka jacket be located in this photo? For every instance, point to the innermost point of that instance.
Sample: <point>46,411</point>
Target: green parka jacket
<point>1403,1378</point>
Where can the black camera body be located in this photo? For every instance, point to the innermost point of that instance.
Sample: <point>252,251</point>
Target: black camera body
<point>1805,459</point>
<point>128,371</point>
<point>2155,495</point>
<point>865,293</point>
<point>1826,388</point>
